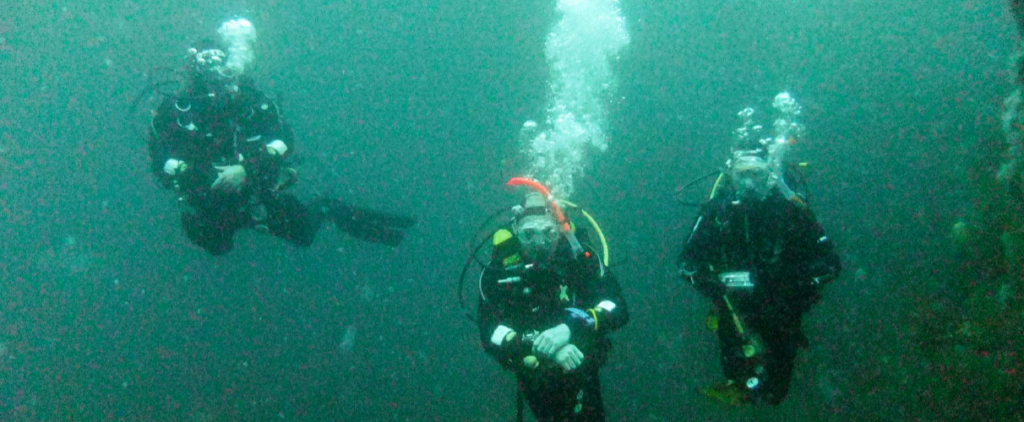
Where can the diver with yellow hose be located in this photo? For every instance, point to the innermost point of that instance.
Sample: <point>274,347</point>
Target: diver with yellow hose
<point>759,254</point>
<point>547,302</point>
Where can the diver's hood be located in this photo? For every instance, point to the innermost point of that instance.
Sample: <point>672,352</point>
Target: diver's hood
<point>535,204</point>
<point>745,163</point>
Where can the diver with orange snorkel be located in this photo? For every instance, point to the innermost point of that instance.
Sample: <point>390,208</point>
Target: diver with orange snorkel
<point>547,302</point>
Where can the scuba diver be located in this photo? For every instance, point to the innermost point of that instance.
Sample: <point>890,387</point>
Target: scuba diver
<point>546,305</point>
<point>223,146</point>
<point>758,253</point>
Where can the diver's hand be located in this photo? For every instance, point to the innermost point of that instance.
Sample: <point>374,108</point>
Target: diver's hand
<point>551,340</point>
<point>229,178</point>
<point>174,166</point>
<point>277,147</point>
<point>569,357</point>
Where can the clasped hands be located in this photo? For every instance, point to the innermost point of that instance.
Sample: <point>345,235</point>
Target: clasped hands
<point>230,178</point>
<point>554,344</point>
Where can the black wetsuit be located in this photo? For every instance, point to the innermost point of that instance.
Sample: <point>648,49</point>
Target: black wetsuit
<point>207,125</point>
<point>780,244</point>
<point>541,297</point>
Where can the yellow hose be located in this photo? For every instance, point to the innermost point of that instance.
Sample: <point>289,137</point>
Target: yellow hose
<point>735,318</point>
<point>714,189</point>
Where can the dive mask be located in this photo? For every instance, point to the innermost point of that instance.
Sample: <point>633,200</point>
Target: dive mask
<point>537,230</point>
<point>751,177</point>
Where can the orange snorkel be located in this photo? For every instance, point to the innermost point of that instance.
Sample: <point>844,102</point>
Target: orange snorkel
<point>555,210</point>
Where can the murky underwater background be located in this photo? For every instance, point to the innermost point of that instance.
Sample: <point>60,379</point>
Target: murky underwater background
<point>107,313</point>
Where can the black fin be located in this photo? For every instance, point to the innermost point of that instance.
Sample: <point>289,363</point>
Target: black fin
<point>369,225</point>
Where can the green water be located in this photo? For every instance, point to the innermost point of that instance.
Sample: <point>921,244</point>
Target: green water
<point>416,106</point>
